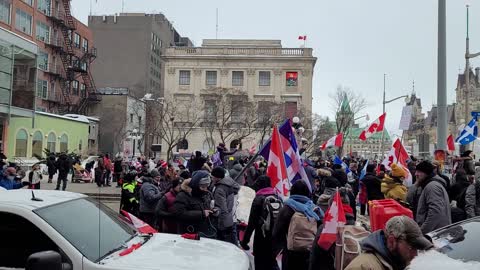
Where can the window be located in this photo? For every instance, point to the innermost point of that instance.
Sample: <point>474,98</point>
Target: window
<point>83,90</point>
<point>264,112</point>
<point>210,111</point>
<point>42,89</point>
<point>290,109</point>
<point>76,40</point>
<point>211,78</point>
<point>5,11</point>
<point>264,78</point>
<point>37,144</point>
<point>21,143</point>
<point>139,121</point>
<point>182,145</point>
<point>64,143</point>
<point>85,45</point>
<point>80,145</point>
<point>75,87</point>
<point>42,32</point>
<point>292,78</point>
<point>23,22</point>
<point>237,78</point>
<point>131,118</point>
<point>51,142</point>
<point>42,60</point>
<point>15,230</point>
<point>184,77</point>
<point>30,2</point>
<point>44,6</point>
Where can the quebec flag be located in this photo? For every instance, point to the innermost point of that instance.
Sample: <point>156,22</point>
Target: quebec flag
<point>469,133</point>
<point>338,160</point>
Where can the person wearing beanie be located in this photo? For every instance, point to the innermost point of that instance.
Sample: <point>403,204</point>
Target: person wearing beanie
<point>235,173</point>
<point>433,206</point>
<point>392,185</point>
<point>150,194</point>
<point>224,194</point>
<point>193,207</point>
<point>372,184</point>
<point>164,211</point>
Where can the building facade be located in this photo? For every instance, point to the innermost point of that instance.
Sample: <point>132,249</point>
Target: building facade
<point>258,72</point>
<point>65,52</point>
<point>473,96</point>
<point>137,39</point>
<point>368,149</point>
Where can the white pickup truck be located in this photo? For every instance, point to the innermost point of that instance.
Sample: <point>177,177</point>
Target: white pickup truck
<point>67,230</point>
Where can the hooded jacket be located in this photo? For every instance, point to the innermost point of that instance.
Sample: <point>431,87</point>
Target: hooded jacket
<point>224,195</point>
<point>393,189</point>
<point>433,208</point>
<point>373,186</point>
<point>149,195</point>
<point>375,255</point>
<point>472,200</point>
<point>51,165</point>
<point>63,165</point>
<point>235,171</point>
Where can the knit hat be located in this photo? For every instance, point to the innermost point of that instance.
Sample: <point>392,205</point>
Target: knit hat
<point>398,171</point>
<point>218,172</point>
<point>426,167</point>
<point>163,164</point>
<point>154,173</point>
<point>199,178</point>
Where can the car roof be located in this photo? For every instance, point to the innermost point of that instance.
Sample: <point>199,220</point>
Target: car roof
<point>23,197</point>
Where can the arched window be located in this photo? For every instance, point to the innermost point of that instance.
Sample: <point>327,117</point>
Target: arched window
<point>64,143</point>
<point>37,144</point>
<point>80,146</point>
<point>182,145</point>
<point>51,142</point>
<point>21,143</point>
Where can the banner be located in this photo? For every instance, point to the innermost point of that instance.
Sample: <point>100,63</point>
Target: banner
<point>406,119</point>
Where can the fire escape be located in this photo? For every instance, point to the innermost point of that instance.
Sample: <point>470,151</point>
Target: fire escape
<point>75,61</point>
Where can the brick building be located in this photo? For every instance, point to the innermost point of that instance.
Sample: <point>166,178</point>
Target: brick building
<point>65,52</point>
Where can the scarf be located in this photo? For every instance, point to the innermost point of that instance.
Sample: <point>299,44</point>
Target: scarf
<point>304,205</point>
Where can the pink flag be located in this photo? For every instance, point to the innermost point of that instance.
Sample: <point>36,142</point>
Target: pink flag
<point>374,127</point>
<point>276,169</point>
<point>334,218</point>
<point>141,226</point>
<point>334,141</point>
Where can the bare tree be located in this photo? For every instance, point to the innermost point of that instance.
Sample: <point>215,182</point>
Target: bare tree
<point>269,113</point>
<point>346,104</point>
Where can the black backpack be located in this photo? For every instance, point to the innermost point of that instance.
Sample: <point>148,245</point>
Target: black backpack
<point>271,208</point>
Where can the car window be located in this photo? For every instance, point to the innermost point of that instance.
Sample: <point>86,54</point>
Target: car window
<point>460,242</point>
<point>90,227</point>
<point>20,239</point>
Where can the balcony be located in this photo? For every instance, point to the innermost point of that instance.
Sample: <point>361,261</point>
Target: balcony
<point>203,51</point>
<point>54,43</point>
<point>54,70</point>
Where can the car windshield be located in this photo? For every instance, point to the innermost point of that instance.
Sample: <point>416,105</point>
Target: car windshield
<point>92,228</point>
<point>460,242</point>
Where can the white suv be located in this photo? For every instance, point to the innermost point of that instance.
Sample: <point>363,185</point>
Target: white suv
<point>72,231</point>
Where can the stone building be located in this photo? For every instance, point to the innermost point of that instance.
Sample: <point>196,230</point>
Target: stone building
<point>260,72</point>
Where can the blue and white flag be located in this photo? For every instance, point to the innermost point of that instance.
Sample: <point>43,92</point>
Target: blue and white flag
<point>469,133</point>
<point>364,171</point>
<point>339,161</point>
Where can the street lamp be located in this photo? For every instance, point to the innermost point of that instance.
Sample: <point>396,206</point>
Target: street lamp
<point>134,135</point>
<point>367,117</point>
<point>299,130</point>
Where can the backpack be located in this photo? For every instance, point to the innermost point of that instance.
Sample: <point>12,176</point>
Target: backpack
<point>350,247</point>
<point>271,208</point>
<point>301,233</point>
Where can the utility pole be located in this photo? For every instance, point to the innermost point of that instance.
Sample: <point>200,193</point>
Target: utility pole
<point>442,77</point>
<point>383,111</point>
<point>216,25</point>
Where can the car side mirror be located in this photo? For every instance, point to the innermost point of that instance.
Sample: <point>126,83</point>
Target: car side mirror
<point>50,260</point>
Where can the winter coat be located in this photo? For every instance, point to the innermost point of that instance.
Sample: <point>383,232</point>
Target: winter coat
<point>413,196</point>
<point>189,211</point>
<point>469,166</point>
<point>164,212</point>
<point>34,177</point>
<point>117,166</point>
<point>196,164</point>
<point>373,185</point>
<point>262,245</point>
<point>225,191</point>
<point>128,198</point>
<point>472,200</point>
<point>325,198</point>
<point>433,210</point>
<point>108,164</point>
<point>52,169</point>
<point>149,196</point>
<point>63,165</point>
<point>392,189</point>
<point>457,190</point>
<point>9,184</point>
<point>235,171</point>
<point>375,255</point>
<point>252,175</point>
<point>311,174</point>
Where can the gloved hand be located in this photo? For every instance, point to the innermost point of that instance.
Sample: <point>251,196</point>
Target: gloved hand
<point>25,183</point>
<point>244,245</point>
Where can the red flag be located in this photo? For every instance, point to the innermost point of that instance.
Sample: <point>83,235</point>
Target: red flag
<point>374,127</point>
<point>277,170</point>
<point>334,218</point>
<point>334,141</point>
<point>398,155</point>
<point>302,37</point>
<point>450,143</point>
<point>141,226</point>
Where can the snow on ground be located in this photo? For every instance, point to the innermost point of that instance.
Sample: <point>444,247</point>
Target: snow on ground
<point>433,260</point>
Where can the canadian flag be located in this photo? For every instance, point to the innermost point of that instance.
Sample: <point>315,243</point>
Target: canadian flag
<point>334,141</point>
<point>374,127</point>
<point>276,169</point>
<point>450,143</point>
<point>141,226</point>
<point>302,37</point>
<point>398,155</point>
<point>334,218</point>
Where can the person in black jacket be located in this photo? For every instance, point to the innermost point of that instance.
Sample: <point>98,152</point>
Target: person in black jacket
<point>196,163</point>
<point>373,184</point>
<point>118,170</point>
<point>193,206</point>
<point>52,170</point>
<point>262,243</point>
<point>63,165</point>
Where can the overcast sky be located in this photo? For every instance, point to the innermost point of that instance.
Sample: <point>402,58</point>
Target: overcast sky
<point>355,41</point>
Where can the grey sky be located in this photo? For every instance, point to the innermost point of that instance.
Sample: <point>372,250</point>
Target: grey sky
<point>355,41</point>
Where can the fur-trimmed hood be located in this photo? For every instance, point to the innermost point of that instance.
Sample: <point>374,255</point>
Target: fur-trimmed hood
<point>185,186</point>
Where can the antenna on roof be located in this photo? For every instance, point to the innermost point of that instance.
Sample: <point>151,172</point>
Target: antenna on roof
<point>35,198</point>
